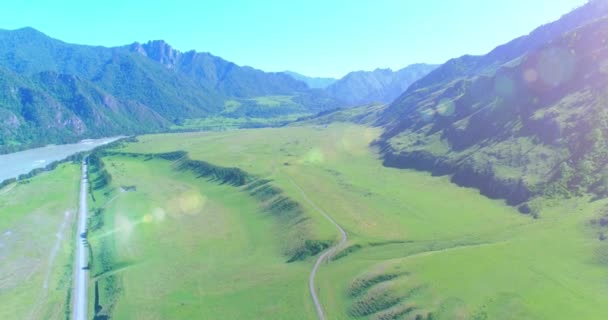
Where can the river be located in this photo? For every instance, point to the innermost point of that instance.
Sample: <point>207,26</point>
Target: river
<point>14,164</point>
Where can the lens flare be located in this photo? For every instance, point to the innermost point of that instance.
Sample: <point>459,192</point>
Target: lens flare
<point>604,66</point>
<point>158,214</point>
<point>530,75</point>
<point>427,114</point>
<point>191,202</point>
<point>445,108</point>
<point>148,218</point>
<point>556,66</point>
<point>315,156</point>
<point>124,226</point>
<point>504,86</point>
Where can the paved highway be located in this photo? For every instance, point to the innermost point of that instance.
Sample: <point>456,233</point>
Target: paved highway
<point>79,306</point>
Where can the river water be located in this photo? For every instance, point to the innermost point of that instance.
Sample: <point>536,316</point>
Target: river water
<point>14,164</point>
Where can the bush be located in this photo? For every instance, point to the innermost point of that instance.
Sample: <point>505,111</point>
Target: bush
<point>231,176</point>
<point>7,182</point>
<point>309,249</point>
<point>361,285</point>
<point>347,251</point>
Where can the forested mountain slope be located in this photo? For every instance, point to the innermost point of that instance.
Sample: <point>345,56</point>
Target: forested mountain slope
<point>55,92</point>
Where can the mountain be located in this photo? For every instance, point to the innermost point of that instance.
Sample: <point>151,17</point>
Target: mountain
<point>312,82</point>
<point>215,73</point>
<point>58,92</point>
<point>53,108</point>
<point>527,119</point>
<point>380,85</point>
<point>469,65</point>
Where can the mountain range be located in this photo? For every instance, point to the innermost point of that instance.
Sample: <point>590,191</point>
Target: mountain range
<point>378,86</point>
<point>527,119</point>
<point>56,92</point>
<point>360,88</point>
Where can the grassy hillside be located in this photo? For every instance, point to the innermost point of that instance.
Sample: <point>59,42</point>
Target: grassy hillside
<point>37,234</point>
<point>419,245</point>
<point>366,115</point>
<point>535,126</point>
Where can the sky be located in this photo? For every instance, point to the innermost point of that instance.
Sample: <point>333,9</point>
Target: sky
<point>312,37</point>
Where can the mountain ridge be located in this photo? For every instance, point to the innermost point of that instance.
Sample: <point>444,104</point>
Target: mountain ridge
<point>153,83</point>
<point>377,86</point>
<point>533,126</point>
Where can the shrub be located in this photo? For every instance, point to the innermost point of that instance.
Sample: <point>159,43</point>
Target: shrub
<point>309,249</point>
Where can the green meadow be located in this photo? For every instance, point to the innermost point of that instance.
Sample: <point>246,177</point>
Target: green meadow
<point>36,242</point>
<point>183,247</point>
<point>263,111</point>
<point>225,231</point>
<point>419,246</point>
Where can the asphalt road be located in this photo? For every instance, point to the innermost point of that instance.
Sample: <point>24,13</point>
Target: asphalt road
<point>324,256</point>
<point>79,294</point>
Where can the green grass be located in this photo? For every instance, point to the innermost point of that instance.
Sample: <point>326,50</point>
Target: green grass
<point>36,265</point>
<point>264,111</point>
<point>273,101</point>
<point>182,247</point>
<point>464,256</point>
<point>367,115</point>
<point>223,123</point>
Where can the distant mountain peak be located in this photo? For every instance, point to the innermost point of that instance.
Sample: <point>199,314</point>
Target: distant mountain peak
<point>139,48</point>
<point>27,29</point>
<point>159,51</point>
<point>27,33</point>
<point>380,85</point>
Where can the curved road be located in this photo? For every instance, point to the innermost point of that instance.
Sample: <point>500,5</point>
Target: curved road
<point>79,293</point>
<point>328,253</point>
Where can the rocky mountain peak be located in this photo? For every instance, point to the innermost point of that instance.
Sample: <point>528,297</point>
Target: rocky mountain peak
<point>159,51</point>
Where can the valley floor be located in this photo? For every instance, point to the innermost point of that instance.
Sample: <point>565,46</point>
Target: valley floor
<point>37,228</point>
<point>171,243</point>
<point>419,245</point>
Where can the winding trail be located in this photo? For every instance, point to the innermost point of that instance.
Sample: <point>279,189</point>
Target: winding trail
<point>326,254</point>
<point>79,307</point>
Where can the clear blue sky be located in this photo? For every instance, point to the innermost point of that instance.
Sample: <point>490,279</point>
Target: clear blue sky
<point>313,37</point>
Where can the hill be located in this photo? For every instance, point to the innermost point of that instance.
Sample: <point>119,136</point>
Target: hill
<point>535,125</point>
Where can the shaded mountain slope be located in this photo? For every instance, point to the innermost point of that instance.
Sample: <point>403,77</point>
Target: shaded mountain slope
<point>53,108</point>
<point>536,125</point>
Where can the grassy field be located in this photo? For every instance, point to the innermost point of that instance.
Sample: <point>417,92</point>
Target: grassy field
<point>221,123</point>
<point>181,247</point>
<point>264,111</point>
<point>36,241</point>
<point>420,246</point>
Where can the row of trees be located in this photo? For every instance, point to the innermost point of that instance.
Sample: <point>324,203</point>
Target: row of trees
<point>232,176</point>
